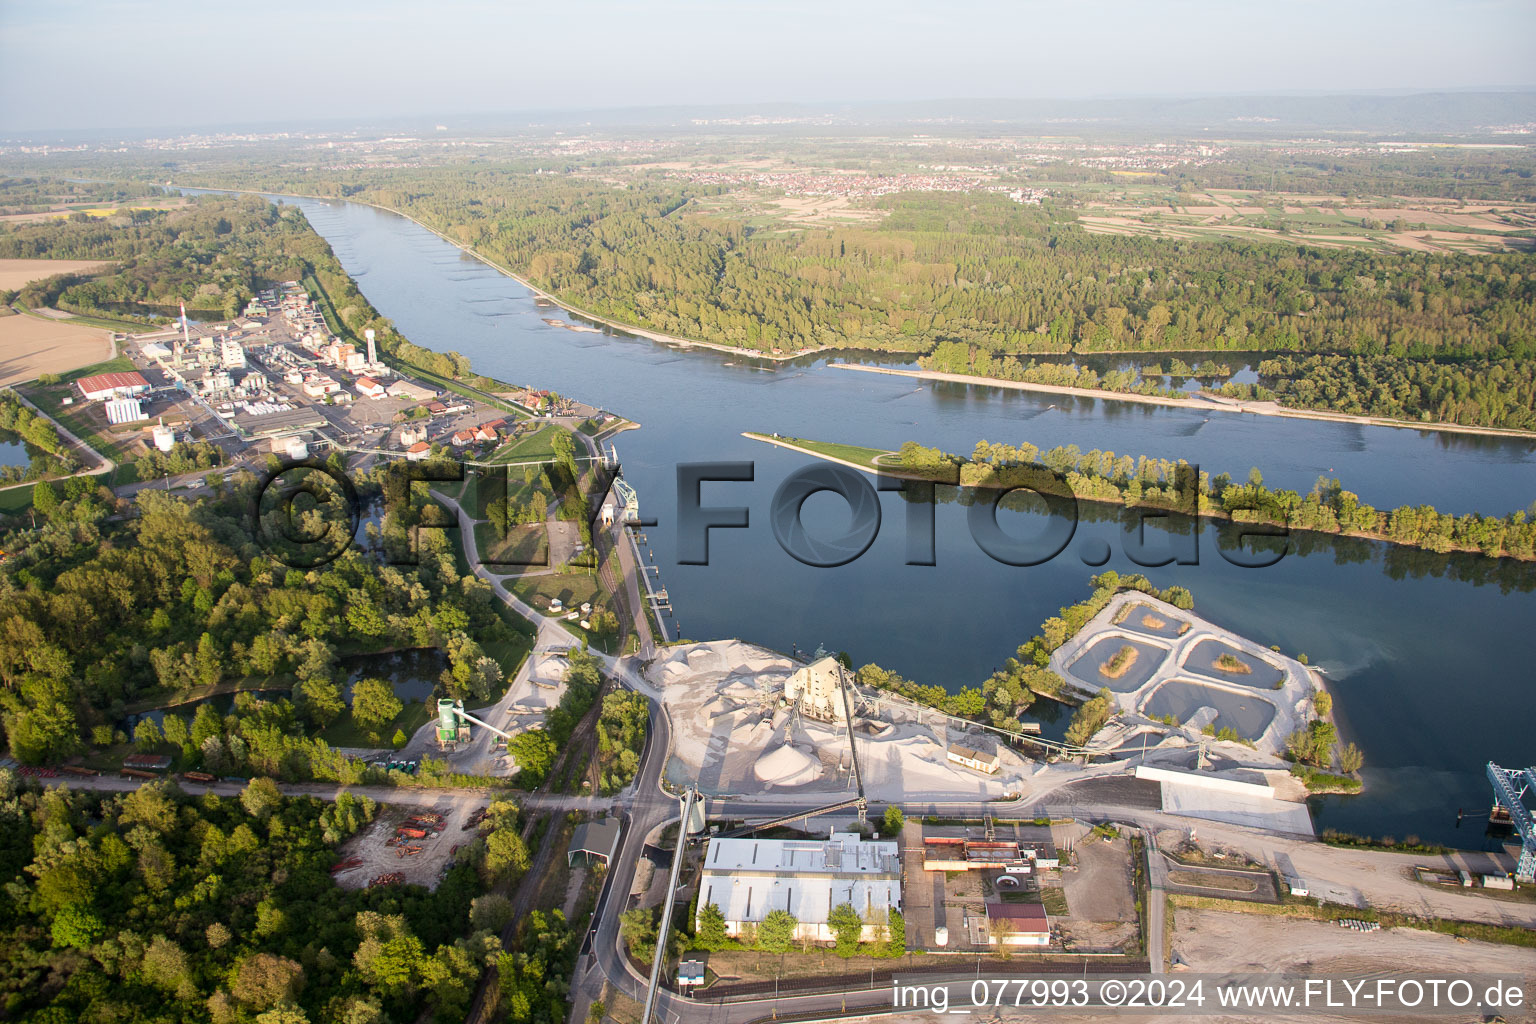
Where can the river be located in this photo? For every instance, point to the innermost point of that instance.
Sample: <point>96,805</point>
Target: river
<point>1430,657</point>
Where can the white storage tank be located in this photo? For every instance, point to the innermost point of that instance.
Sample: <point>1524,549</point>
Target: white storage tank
<point>164,437</point>
<point>941,936</point>
<point>297,448</point>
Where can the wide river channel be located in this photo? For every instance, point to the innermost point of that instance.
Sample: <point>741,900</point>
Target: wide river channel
<point>1431,658</point>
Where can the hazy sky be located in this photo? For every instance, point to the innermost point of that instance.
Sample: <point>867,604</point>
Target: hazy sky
<point>70,64</point>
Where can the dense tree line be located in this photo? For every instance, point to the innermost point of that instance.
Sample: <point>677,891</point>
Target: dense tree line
<point>621,731</point>
<point>1103,476</point>
<point>96,615</point>
<point>155,906</point>
<point>977,269</point>
<point>48,453</point>
<point>1477,392</point>
<point>42,193</point>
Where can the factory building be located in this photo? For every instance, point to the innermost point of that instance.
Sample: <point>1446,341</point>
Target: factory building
<point>124,410</point>
<point>816,690</point>
<point>750,878</point>
<point>112,385</point>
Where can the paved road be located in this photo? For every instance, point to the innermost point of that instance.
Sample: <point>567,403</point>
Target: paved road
<point>103,464</point>
<point>1157,876</point>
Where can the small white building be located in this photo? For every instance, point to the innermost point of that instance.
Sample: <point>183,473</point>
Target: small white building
<point>418,451</point>
<point>368,387</point>
<point>970,757</point>
<point>319,387</point>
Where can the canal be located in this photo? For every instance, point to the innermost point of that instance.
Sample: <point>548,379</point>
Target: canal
<point>1430,657</point>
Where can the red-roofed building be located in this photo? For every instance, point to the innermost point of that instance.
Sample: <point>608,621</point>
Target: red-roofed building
<point>112,385</point>
<point>462,438</point>
<point>368,387</point>
<point>418,451</point>
<point>1017,924</point>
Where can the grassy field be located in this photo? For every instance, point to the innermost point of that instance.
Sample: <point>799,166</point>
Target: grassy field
<point>344,732</point>
<point>86,425</point>
<point>1213,880</point>
<point>537,445</point>
<point>1378,223</point>
<point>519,492</point>
<point>16,499</point>
<point>1055,900</point>
<point>573,589</point>
<point>1295,906</point>
<point>522,546</point>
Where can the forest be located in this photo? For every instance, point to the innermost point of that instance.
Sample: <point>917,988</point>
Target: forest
<point>993,282</point>
<point>158,906</point>
<point>1328,508</point>
<point>213,254</point>
<point>98,615</point>
<point>48,454</point>
<point>973,268</point>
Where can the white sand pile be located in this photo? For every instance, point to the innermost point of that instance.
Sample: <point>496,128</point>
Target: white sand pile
<point>786,766</point>
<point>731,736</point>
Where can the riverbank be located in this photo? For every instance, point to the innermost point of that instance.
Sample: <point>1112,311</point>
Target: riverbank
<point>639,332</point>
<point>1203,402</point>
<point>870,460</point>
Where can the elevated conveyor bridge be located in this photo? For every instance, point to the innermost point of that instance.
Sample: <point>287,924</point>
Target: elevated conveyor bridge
<point>1510,786</point>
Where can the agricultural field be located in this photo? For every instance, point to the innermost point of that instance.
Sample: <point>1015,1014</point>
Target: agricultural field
<point>1380,223</point>
<point>14,274</point>
<point>32,345</point>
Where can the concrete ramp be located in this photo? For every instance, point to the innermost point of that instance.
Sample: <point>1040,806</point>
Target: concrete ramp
<point>1236,808</point>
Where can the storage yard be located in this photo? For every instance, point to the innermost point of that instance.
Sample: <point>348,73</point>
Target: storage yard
<point>735,733</point>
<point>406,846</point>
